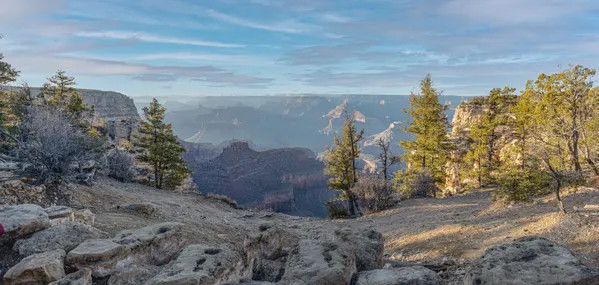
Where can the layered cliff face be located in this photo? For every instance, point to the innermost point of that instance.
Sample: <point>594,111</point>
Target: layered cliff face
<point>288,180</point>
<point>115,110</point>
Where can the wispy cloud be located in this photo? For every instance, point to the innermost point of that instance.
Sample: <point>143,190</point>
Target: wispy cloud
<point>288,26</point>
<point>206,57</point>
<point>125,35</point>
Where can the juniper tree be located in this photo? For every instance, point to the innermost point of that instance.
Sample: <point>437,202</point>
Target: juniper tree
<point>340,161</point>
<point>160,148</point>
<point>429,126</point>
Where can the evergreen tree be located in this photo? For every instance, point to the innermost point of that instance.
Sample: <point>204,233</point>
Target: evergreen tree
<point>60,92</point>
<point>7,73</point>
<point>340,162</point>
<point>160,148</point>
<point>430,148</point>
<point>483,135</point>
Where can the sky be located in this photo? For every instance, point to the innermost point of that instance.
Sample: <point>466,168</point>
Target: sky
<point>268,47</point>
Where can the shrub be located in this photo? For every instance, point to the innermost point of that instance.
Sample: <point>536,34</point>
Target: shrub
<point>519,185</point>
<point>338,209</point>
<point>414,184</point>
<point>55,145</point>
<point>225,199</point>
<point>377,195</point>
<point>120,165</point>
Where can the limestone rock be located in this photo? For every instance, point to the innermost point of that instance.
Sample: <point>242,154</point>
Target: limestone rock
<point>37,269</point>
<point>22,193</point>
<point>102,256</point>
<point>21,220</point>
<point>133,275</point>
<point>530,260</point>
<point>81,277</point>
<point>415,275</point>
<point>60,214</point>
<point>85,216</point>
<point>65,236</point>
<point>368,245</point>
<point>141,208</point>
<point>155,244</point>
<point>206,265</point>
<point>315,262</point>
<point>268,251</point>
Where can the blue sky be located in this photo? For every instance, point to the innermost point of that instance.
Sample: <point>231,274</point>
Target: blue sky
<point>265,47</point>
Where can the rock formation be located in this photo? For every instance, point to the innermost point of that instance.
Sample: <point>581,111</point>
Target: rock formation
<point>288,180</point>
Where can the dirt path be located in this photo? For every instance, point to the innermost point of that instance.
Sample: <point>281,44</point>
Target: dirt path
<point>463,227</point>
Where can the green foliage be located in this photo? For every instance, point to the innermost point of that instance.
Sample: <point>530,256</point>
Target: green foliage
<point>336,211</point>
<point>160,148</point>
<point>415,184</point>
<point>518,185</point>
<point>340,160</point>
<point>430,148</point>
<point>483,136</point>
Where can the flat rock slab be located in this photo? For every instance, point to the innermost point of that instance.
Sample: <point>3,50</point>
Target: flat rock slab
<point>206,265</point>
<point>60,214</point>
<point>24,219</point>
<point>528,261</point>
<point>81,277</point>
<point>102,256</point>
<point>37,269</point>
<point>65,236</point>
<point>85,216</point>
<point>415,275</point>
<point>153,245</point>
<point>140,208</point>
<point>315,262</point>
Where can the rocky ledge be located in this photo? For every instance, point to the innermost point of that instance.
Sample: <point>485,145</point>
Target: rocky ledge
<point>60,246</point>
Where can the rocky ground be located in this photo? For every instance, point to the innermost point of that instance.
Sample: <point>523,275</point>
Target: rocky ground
<point>446,236</point>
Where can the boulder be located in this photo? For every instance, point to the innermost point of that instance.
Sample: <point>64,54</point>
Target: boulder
<point>530,260</point>
<point>153,245</point>
<point>37,269</point>
<point>85,216</point>
<point>24,219</point>
<point>368,245</point>
<point>414,275</point>
<point>81,277</point>
<point>102,256</point>
<point>325,262</point>
<point>268,251</point>
<point>206,265</point>
<point>133,275</point>
<point>141,208</point>
<point>65,236</point>
<point>60,215</point>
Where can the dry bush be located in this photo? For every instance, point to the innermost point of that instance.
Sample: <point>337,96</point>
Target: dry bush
<point>416,184</point>
<point>120,165</point>
<point>225,199</point>
<point>376,194</point>
<point>55,146</point>
<point>338,209</point>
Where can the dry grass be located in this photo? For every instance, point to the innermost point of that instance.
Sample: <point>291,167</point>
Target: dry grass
<point>463,227</point>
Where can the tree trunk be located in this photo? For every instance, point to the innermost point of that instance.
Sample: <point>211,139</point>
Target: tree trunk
<point>480,179</point>
<point>558,198</point>
<point>593,166</point>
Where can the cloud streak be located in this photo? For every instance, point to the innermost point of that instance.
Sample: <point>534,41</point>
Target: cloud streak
<point>126,35</point>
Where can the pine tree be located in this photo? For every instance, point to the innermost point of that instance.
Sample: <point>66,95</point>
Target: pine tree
<point>483,135</point>
<point>160,148</point>
<point>7,73</point>
<point>430,148</point>
<point>60,92</point>
<point>340,162</point>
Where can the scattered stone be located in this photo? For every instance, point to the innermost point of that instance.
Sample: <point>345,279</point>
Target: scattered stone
<point>22,192</point>
<point>141,208</point>
<point>37,269</point>
<point>415,275</point>
<point>60,215</point>
<point>81,277</point>
<point>85,216</point>
<point>530,260</point>
<point>206,265</point>
<point>24,219</point>
<point>315,262</point>
<point>102,256</point>
<point>65,236</point>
